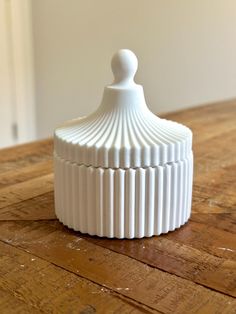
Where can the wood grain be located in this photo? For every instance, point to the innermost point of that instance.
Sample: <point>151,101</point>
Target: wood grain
<point>25,190</point>
<point>45,267</point>
<point>45,287</point>
<point>23,174</point>
<point>144,284</point>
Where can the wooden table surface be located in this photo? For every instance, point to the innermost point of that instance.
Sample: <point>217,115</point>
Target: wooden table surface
<point>45,267</point>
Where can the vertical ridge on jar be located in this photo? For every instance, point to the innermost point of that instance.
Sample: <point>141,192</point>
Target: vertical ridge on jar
<point>190,185</point>
<point>109,198</point>
<point>174,198</point>
<point>186,167</point>
<point>64,205</point>
<point>75,205</point>
<point>91,204</point>
<point>57,181</point>
<point>140,202</point>
<point>130,203</point>
<point>150,201</point>
<point>180,193</point>
<point>82,199</point>
<point>119,191</point>
<point>99,202</point>
<point>166,199</point>
<point>159,199</point>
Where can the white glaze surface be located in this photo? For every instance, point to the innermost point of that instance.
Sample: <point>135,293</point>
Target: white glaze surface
<point>123,203</point>
<point>123,132</point>
<point>123,172</point>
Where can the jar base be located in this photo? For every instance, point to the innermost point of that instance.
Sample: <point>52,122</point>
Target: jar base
<point>123,203</point>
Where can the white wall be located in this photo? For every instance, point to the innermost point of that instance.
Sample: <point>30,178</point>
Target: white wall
<point>6,101</point>
<point>17,115</point>
<point>186,51</point>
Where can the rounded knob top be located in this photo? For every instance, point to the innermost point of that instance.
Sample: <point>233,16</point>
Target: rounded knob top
<point>124,65</point>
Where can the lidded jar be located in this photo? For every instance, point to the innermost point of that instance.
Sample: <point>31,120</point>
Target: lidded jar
<point>122,171</point>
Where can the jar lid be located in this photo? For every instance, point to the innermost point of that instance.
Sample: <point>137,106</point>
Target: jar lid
<point>123,132</point>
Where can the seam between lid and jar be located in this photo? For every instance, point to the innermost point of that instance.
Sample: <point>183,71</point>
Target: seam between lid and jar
<point>190,155</point>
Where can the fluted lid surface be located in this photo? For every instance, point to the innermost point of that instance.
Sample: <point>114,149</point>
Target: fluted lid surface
<point>123,132</point>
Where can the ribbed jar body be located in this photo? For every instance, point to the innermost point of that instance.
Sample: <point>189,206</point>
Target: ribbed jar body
<point>123,203</point>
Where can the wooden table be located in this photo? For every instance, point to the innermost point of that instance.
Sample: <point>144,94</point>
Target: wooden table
<point>45,267</point>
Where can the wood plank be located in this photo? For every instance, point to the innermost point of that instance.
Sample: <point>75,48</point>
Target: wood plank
<point>182,260</point>
<point>223,221</point>
<point>206,238</point>
<point>34,285</point>
<point>11,304</point>
<point>42,147</point>
<point>207,121</point>
<point>35,208</point>
<point>23,174</point>
<point>25,190</point>
<point>201,115</point>
<point>167,257</point>
<point>154,288</point>
<point>219,156</point>
<point>26,154</point>
<point>211,193</point>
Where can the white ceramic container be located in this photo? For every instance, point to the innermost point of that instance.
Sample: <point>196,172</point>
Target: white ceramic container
<point>122,171</point>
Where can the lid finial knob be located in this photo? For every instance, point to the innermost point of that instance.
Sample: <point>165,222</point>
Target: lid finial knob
<point>124,65</point>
